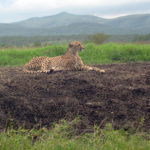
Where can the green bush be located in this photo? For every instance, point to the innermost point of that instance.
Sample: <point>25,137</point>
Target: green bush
<point>97,38</point>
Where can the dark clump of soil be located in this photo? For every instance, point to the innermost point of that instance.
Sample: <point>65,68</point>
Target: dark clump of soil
<point>120,96</point>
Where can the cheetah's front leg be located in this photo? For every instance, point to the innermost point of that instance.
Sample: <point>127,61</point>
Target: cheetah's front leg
<point>92,68</point>
<point>46,67</point>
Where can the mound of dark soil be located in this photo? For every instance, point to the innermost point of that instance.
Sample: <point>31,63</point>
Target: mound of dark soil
<point>120,96</point>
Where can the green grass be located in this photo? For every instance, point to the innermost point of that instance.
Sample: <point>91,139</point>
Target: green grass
<point>113,53</point>
<point>92,54</point>
<point>18,57</point>
<point>62,137</point>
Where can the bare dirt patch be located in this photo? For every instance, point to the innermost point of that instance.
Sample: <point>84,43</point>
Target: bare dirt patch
<point>120,96</point>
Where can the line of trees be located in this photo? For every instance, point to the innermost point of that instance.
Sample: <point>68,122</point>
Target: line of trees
<point>98,38</point>
<point>42,40</point>
<point>145,37</point>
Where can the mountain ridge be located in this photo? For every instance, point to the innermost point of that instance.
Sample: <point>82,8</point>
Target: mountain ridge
<point>66,24</point>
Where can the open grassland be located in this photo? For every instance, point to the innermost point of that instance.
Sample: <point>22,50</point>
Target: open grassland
<point>92,54</point>
<point>62,137</point>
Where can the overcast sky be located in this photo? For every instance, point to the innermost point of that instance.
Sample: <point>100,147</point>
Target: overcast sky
<point>16,10</point>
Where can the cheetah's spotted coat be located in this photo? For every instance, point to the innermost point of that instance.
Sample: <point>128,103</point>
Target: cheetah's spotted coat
<point>68,61</point>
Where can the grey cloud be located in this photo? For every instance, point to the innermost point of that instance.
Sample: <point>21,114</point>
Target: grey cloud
<point>119,9</point>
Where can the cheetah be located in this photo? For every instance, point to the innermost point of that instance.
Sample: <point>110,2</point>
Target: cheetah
<point>68,61</point>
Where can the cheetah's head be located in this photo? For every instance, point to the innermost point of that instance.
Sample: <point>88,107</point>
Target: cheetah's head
<point>76,46</point>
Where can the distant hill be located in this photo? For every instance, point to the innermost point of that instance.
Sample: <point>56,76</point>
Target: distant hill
<point>67,24</point>
<point>61,19</point>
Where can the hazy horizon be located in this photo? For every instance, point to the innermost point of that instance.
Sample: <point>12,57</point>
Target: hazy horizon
<point>122,15</point>
<point>17,10</point>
